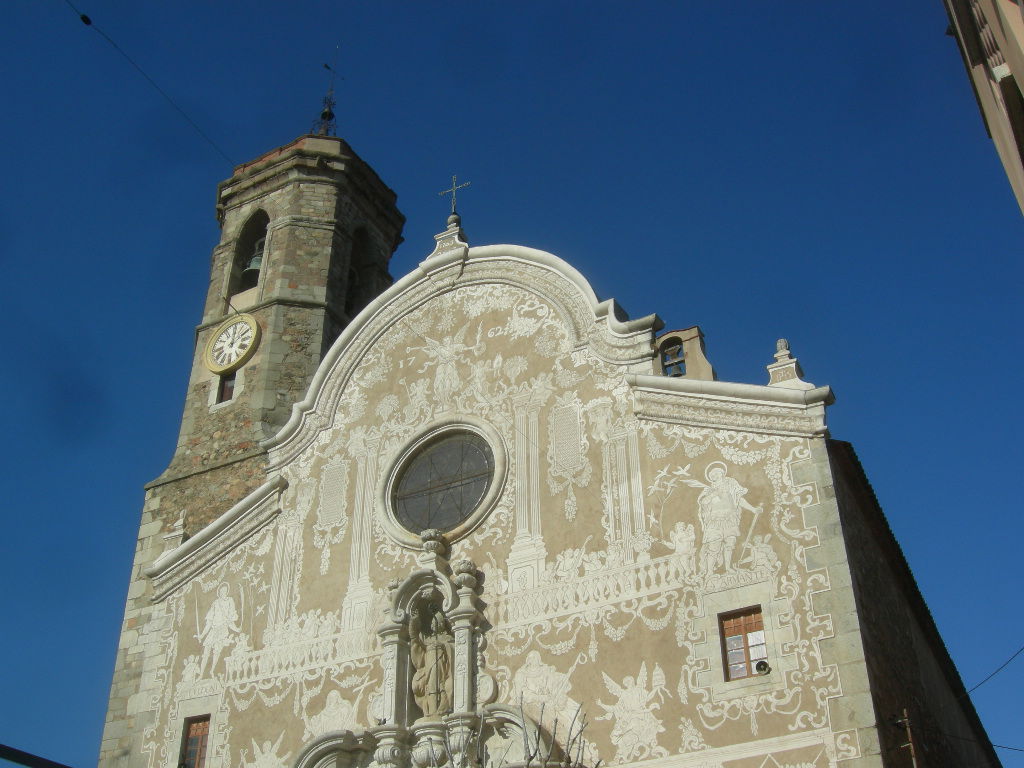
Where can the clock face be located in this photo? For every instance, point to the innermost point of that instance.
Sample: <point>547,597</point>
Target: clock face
<point>443,483</point>
<point>232,344</point>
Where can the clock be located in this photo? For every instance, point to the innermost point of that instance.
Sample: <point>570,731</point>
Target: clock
<point>232,344</point>
<point>443,483</point>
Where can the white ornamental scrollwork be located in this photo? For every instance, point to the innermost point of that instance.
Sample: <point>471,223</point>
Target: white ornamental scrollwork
<point>568,464</point>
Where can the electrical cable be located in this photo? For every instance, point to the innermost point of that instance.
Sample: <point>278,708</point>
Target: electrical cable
<point>973,741</point>
<point>87,21</point>
<point>998,670</point>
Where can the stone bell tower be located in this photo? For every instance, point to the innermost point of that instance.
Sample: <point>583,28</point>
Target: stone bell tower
<point>307,231</point>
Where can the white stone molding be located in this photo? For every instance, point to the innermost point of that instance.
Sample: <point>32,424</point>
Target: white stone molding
<point>600,326</point>
<point>337,749</point>
<point>758,748</point>
<point>181,564</point>
<point>202,703</point>
<point>501,732</point>
<point>728,405</point>
<point>211,400</point>
<point>397,459</point>
<point>454,592</point>
<point>778,639</point>
<point>786,371</point>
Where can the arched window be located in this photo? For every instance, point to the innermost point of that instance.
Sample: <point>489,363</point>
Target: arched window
<point>249,251</point>
<point>673,358</point>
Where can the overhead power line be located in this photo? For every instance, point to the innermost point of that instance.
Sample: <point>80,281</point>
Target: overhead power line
<point>27,758</point>
<point>87,21</point>
<point>998,670</point>
<point>972,741</point>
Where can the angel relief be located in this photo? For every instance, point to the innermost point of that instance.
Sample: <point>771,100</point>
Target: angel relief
<point>636,728</point>
<point>443,356</point>
<point>265,756</point>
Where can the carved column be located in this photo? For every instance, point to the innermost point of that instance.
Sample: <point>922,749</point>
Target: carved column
<point>527,555</point>
<point>395,661</point>
<point>285,573</point>
<point>623,494</point>
<point>360,593</point>
<point>392,750</point>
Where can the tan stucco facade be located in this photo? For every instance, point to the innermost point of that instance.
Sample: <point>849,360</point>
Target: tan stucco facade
<point>627,513</point>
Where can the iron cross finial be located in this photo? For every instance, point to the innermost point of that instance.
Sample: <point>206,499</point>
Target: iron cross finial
<point>455,187</point>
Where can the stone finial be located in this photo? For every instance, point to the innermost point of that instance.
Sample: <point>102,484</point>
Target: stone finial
<point>786,372</point>
<point>433,541</point>
<point>452,239</point>
<point>465,573</point>
<point>435,550</point>
<point>175,535</point>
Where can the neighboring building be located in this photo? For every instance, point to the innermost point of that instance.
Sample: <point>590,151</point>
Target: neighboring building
<point>399,519</point>
<point>990,34</point>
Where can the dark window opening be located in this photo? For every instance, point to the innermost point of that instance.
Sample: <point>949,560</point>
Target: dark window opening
<point>673,361</point>
<point>226,387</point>
<point>251,273</point>
<point>352,297</point>
<point>249,254</point>
<point>193,742</point>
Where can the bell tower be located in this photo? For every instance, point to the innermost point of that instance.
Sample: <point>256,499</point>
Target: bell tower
<point>307,231</point>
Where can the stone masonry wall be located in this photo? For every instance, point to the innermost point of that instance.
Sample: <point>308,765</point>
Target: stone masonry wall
<point>854,709</point>
<point>907,661</point>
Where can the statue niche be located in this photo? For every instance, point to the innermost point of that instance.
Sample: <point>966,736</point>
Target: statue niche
<point>431,650</point>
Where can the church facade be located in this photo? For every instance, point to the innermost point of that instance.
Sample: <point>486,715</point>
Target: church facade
<point>480,517</point>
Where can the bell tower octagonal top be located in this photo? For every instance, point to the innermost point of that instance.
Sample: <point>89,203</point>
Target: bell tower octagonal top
<point>330,228</point>
<point>307,231</point>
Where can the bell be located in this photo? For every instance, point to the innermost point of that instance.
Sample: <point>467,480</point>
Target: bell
<point>251,274</point>
<point>254,265</point>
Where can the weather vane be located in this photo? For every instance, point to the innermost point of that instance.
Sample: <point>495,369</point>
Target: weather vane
<point>454,188</point>
<point>326,125</point>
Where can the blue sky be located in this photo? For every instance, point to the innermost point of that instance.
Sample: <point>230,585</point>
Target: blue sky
<point>817,171</point>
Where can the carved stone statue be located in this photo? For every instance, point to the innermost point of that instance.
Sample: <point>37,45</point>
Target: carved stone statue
<point>431,645</point>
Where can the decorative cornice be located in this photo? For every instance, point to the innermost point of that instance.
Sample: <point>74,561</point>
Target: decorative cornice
<point>221,536</point>
<point>728,405</point>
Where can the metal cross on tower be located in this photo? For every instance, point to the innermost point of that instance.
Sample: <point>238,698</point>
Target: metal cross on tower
<point>454,188</point>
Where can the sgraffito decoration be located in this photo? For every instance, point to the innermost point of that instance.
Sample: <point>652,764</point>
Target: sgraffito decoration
<point>612,528</point>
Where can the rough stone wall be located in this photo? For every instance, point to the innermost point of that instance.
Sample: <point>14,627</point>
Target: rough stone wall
<point>853,710</point>
<point>908,664</point>
<point>313,191</point>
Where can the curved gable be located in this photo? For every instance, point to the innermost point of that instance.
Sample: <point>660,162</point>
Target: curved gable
<point>475,303</point>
